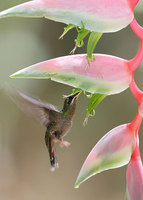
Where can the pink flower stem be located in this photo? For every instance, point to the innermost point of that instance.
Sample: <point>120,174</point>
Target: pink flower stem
<point>135,124</point>
<point>138,30</point>
<point>133,3</point>
<point>137,93</point>
<point>136,153</point>
<point>133,64</point>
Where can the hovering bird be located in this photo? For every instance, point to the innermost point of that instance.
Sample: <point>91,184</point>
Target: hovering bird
<point>57,123</point>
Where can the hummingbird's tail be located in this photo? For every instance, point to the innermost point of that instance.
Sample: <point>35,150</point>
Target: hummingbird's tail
<point>52,151</point>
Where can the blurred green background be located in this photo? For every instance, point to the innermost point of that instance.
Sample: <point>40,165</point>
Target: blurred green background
<point>24,163</point>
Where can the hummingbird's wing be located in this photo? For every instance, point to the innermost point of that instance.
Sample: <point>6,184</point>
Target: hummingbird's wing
<point>43,112</point>
<point>52,151</point>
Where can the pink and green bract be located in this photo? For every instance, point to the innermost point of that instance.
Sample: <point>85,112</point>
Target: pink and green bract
<point>106,75</point>
<point>112,151</point>
<point>96,15</point>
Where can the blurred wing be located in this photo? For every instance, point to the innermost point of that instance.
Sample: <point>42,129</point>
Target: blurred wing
<point>43,112</point>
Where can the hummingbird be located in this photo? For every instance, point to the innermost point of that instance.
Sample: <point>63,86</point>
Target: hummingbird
<point>57,123</point>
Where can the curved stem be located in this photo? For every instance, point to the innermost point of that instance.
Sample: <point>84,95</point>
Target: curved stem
<point>138,30</point>
<point>136,153</point>
<point>137,93</point>
<point>135,62</point>
<point>133,3</point>
<point>135,124</point>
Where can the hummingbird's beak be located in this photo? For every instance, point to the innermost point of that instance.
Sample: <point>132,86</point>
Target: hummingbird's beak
<point>72,96</point>
<point>76,95</point>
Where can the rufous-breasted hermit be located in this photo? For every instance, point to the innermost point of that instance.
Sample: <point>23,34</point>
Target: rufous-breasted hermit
<point>57,123</point>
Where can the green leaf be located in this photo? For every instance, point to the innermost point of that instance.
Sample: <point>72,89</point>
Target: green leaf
<point>82,33</point>
<point>94,102</point>
<point>80,37</point>
<point>66,30</point>
<point>92,42</point>
<point>74,91</point>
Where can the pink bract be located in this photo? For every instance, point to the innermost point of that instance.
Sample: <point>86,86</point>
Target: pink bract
<point>135,176</point>
<point>112,151</point>
<point>96,15</point>
<point>106,75</point>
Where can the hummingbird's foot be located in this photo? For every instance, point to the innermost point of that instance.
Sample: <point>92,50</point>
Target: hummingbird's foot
<point>64,143</point>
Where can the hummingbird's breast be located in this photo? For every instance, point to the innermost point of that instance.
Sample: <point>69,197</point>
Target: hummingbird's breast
<point>62,126</point>
<point>65,126</point>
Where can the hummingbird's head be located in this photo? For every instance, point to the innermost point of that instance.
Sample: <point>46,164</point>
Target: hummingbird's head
<point>70,103</point>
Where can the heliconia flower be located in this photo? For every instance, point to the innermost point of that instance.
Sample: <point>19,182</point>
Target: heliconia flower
<point>96,15</point>
<point>112,151</point>
<point>105,75</point>
<point>135,176</point>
